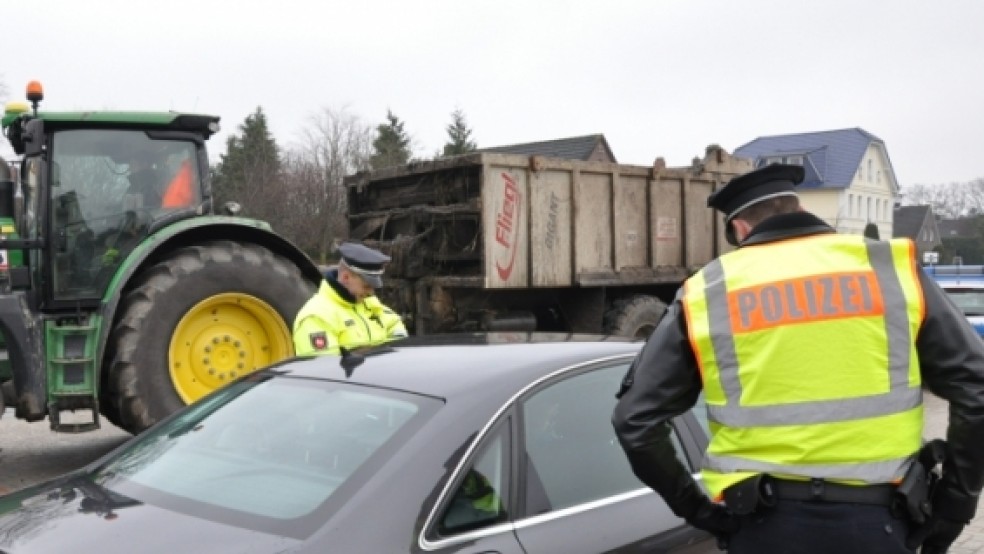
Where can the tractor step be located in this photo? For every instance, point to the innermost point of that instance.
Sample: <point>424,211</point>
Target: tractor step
<point>73,378</point>
<point>65,403</point>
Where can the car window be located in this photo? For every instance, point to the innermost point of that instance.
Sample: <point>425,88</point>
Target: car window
<point>266,455</point>
<point>480,499</point>
<point>572,453</point>
<point>969,300</point>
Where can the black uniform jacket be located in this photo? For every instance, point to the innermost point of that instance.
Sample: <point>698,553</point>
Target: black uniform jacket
<point>664,382</point>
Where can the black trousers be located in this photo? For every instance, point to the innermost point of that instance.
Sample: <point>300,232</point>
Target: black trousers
<point>798,527</point>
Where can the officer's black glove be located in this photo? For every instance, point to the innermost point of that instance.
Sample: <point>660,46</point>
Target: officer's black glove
<point>716,520</point>
<point>935,536</point>
<point>658,466</point>
<point>951,512</point>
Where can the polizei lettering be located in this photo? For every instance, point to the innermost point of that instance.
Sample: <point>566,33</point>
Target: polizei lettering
<point>507,221</point>
<point>802,300</point>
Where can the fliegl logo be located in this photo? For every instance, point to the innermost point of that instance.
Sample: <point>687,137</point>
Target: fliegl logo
<point>507,223</point>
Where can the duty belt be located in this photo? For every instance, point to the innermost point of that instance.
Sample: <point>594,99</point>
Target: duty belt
<point>818,490</point>
<point>764,490</point>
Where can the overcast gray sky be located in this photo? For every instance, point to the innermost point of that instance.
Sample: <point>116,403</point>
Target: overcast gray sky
<point>657,77</point>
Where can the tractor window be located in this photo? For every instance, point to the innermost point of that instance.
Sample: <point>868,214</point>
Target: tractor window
<point>107,186</point>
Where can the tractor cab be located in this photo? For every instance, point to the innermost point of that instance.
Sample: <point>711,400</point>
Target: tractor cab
<point>94,185</point>
<point>107,189</point>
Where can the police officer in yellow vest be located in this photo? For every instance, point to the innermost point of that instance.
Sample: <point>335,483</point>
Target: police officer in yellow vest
<point>811,349</point>
<point>345,311</point>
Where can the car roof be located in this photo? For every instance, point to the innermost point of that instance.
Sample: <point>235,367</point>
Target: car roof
<point>957,284</point>
<point>445,367</point>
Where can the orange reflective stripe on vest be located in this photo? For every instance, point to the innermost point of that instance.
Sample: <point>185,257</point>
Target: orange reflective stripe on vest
<point>805,299</point>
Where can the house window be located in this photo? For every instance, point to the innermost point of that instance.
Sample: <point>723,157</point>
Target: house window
<point>850,205</point>
<point>773,160</point>
<point>870,169</point>
<point>878,176</point>
<point>868,210</point>
<point>794,160</point>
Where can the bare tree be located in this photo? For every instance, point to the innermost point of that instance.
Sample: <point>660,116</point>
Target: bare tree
<point>975,196</point>
<point>949,201</point>
<point>333,144</point>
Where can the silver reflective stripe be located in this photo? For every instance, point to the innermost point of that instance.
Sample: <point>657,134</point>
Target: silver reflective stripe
<point>819,411</point>
<point>896,313</point>
<point>899,398</point>
<point>719,320</point>
<point>882,471</point>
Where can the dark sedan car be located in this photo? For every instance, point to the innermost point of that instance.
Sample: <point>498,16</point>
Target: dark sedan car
<point>487,446</point>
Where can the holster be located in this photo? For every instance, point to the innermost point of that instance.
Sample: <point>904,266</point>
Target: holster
<point>743,498</point>
<point>917,487</point>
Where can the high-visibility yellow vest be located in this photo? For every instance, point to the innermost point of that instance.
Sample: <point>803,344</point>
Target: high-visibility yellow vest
<point>328,321</point>
<point>806,349</point>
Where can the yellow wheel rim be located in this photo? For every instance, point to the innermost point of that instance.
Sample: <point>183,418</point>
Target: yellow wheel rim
<point>220,339</point>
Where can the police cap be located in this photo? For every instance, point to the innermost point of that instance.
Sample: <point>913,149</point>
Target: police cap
<point>365,262</point>
<point>751,188</point>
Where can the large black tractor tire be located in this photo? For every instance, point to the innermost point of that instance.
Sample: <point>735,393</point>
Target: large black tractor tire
<point>634,316</point>
<point>196,321</point>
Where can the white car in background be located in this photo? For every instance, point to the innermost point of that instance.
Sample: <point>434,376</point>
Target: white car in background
<point>964,284</point>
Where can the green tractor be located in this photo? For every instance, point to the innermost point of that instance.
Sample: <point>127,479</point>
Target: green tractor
<point>123,290</point>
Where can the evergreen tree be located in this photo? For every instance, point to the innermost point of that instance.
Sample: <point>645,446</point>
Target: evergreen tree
<point>249,169</point>
<point>458,136</point>
<point>871,231</point>
<point>392,145</point>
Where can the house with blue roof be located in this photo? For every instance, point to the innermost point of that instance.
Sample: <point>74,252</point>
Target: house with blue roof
<point>849,179</point>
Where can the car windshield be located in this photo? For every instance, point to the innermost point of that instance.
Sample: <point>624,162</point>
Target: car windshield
<point>269,454</point>
<point>970,301</point>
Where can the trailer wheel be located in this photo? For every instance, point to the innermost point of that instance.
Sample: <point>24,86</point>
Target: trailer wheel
<point>635,316</point>
<point>196,321</point>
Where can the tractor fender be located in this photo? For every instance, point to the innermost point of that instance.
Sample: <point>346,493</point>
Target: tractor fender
<point>189,232</point>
